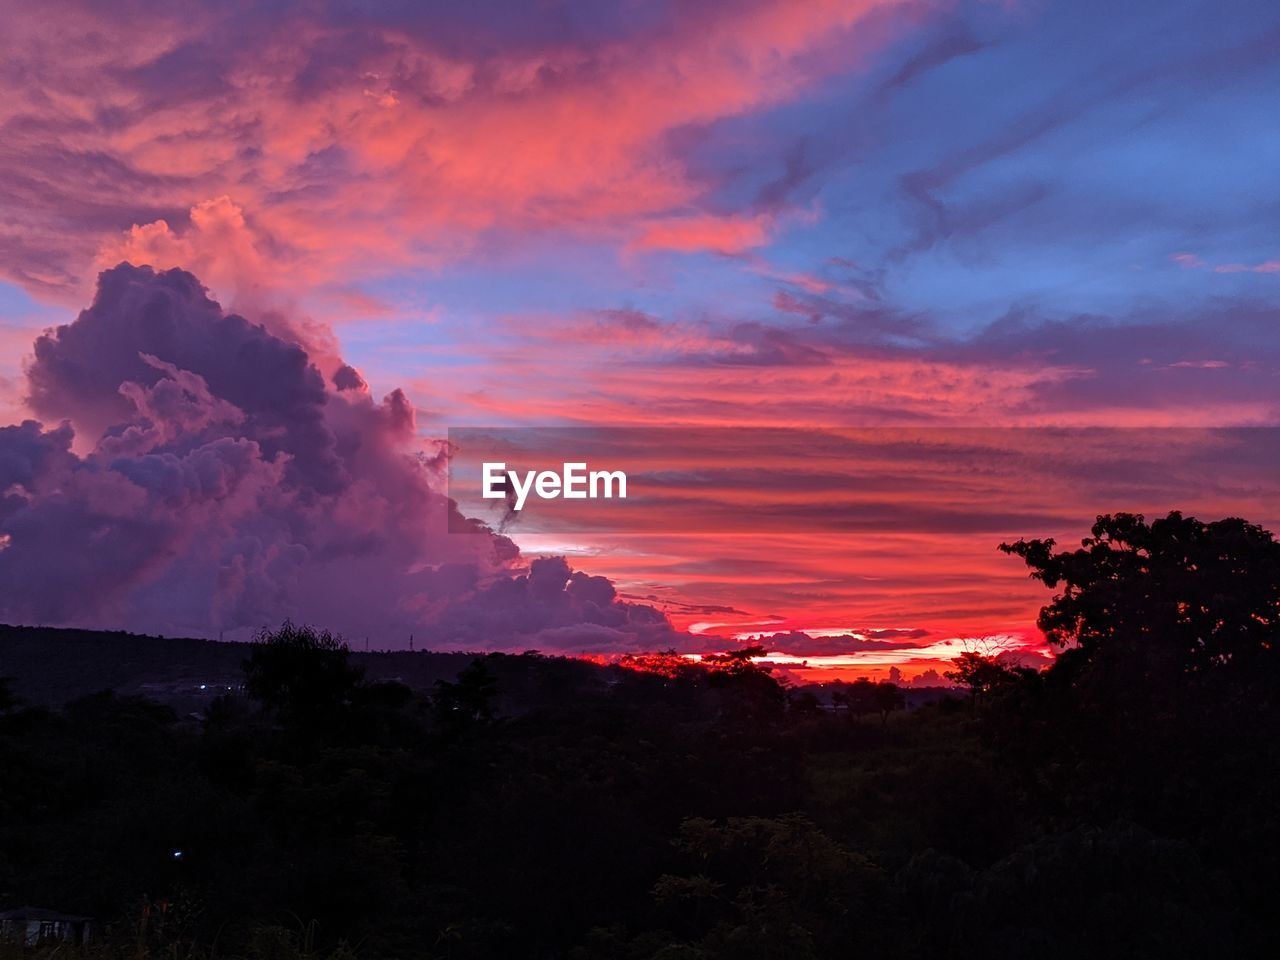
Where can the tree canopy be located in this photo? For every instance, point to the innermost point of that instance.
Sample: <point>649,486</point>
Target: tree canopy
<point>1170,596</point>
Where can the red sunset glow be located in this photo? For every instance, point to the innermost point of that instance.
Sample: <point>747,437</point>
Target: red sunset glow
<point>757,229</point>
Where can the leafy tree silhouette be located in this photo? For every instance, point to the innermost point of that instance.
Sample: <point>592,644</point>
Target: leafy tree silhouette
<point>1162,706</point>
<point>749,693</point>
<point>469,700</point>
<point>760,887</point>
<point>889,697</point>
<point>981,673</point>
<point>1152,601</point>
<point>303,674</point>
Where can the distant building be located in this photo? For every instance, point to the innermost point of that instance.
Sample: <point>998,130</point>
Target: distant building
<point>32,925</point>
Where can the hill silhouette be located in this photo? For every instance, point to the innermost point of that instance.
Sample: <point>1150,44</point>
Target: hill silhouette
<point>50,666</point>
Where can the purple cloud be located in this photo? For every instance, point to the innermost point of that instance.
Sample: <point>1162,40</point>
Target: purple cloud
<point>205,479</point>
<point>799,643</point>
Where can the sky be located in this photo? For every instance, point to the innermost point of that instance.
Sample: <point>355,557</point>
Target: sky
<point>803,219</point>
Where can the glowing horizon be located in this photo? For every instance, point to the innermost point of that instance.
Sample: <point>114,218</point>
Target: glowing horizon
<point>708,217</point>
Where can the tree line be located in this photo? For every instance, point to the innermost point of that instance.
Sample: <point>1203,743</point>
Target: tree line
<point>1122,802</point>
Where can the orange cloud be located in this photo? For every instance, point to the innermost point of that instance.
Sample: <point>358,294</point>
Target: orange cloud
<point>218,246</point>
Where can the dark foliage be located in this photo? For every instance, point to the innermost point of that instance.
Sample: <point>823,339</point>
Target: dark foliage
<point>1121,804</point>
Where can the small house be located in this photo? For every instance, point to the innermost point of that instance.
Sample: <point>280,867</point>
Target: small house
<point>33,925</point>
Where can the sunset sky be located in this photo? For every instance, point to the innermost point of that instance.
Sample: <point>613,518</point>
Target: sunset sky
<point>879,222</point>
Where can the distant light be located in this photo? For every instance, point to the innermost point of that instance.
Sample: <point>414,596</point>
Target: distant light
<point>204,686</point>
<point>177,854</point>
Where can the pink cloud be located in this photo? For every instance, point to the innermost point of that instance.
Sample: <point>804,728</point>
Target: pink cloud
<point>727,235</point>
<point>1188,261</point>
<point>1200,364</point>
<point>1192,261</point>
<point>401,150</point>
<point>1268,266</point>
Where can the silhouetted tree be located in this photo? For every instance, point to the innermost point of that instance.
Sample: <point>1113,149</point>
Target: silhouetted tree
<point>804,703</point>
<point>889,697</point>
<point>1172,596</point>
<point>302,673</point>
<point>862,697</point>
<point>766,888</point>
<point>741,662</point>
<point>469,699</point>
<point>982,674</point>
<point>840,699</point>
<point>751,694</point>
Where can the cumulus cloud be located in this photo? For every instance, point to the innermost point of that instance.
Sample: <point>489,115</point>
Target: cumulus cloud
<point>930,678</point>
<point>204,477</point>
<point>554,607</point>
<point>246,266</point>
